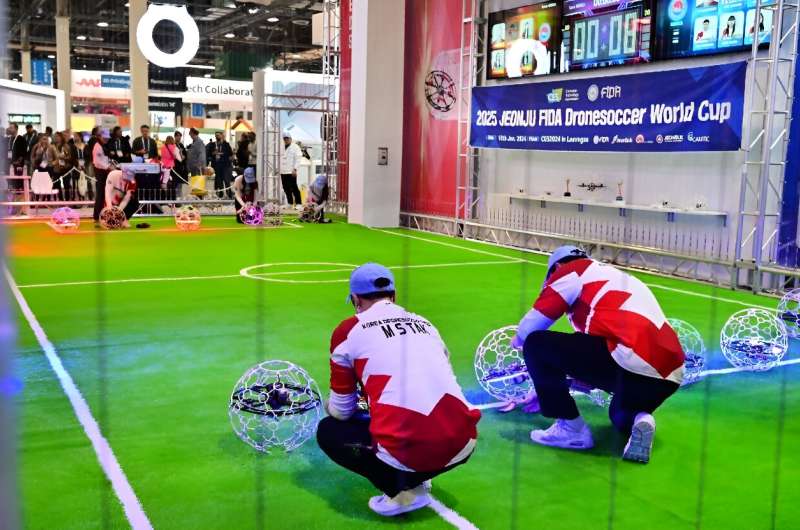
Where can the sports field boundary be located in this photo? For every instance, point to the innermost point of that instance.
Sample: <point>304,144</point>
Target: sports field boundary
<point>105,455</point>
<point>539,264</point>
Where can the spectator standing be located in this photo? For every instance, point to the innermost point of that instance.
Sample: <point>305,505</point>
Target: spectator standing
<point>17,150</point>
<point>181,158</point>
<point>102,165</point>
<point>30,139</point>
<point>253,152</point>
<point>196,160</point>
<point>169,155</point>
<point>144,145</point>
<point>222,161</point>
<point>290,163</point>
<point>119,148</point>
<point>43,155</point>
<point>63,175</point>
<point>243,152</point>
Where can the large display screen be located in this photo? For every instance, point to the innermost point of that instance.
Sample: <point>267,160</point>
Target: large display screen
<point>597,33</point>
<point>524,41</point>
<point>700,27</point>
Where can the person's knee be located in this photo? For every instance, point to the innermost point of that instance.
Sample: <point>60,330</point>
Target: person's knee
<point>536,346</point>
<point>326,433</point>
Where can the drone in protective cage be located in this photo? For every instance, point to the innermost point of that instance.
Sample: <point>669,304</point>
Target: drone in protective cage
<point>591,186</point>
<point>440,90</point>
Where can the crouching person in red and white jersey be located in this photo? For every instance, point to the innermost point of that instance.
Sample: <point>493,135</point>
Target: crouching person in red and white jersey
<point>419,423</point>
<point>622,344</point>
<point>121,193</point>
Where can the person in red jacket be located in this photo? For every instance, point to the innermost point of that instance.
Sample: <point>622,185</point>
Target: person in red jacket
<point>419,425</point>
<point>622,344</point>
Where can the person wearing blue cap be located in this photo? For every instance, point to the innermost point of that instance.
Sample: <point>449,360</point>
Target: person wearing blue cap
<point>419,425</point>
<point>244,190</point>
<point>318,193</point>
<point>622,344</point>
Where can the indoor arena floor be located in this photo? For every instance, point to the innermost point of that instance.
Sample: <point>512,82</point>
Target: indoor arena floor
<point>155,327</point>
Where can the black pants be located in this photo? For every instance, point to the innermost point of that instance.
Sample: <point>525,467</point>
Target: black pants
<point>132,207</point>
<point>291,190</point>
<point>552,356</point>
<point>100,176</point>
<point>222,179</point>
<point>348,443</point>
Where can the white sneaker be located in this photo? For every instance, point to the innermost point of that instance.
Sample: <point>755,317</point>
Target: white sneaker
<point>560,434</point>
<point>428,485</point>
<point>640,444</point>
<point>403,502</point>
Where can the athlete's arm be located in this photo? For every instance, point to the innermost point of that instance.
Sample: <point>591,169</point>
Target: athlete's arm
<point>558,295</point>
<point>343,401</point>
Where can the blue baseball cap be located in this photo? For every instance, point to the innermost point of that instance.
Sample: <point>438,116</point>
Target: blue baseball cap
<point>371,278</point>
<point>561,253</point>
<point>250,175</point>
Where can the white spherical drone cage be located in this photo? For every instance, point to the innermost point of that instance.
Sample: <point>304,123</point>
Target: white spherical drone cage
<point>754,339</point>
<point>188,218</point>
<point>275,404</point>
<point>500,369</point>
<point>693,347</point>
<point>789,312</point>
<point>112,218</point>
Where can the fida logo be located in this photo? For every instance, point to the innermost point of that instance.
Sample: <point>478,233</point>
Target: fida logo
<point>555,95</point>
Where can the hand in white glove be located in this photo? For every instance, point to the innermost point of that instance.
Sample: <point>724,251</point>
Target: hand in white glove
<point>517,342</point>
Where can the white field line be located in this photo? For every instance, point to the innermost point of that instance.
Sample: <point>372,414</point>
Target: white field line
<point>396,267</point>
<point>130,280</point>
<point>162,230</point>
<point>520,260</point>
<point>256,275</point>
<point>105,456</point>
<point>450,515</point>
<point>704,373</point>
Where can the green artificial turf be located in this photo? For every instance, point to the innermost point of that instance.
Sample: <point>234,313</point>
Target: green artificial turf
<point>156,361</point>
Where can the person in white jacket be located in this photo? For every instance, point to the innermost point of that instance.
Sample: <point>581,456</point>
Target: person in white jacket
<point>290,163</point>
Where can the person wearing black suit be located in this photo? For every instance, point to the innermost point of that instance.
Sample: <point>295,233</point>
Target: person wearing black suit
<point>145,146</point>
<point>17,150</point>
<point>119,147</point>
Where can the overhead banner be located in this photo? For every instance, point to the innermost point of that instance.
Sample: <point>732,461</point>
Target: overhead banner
<point>693,109</point>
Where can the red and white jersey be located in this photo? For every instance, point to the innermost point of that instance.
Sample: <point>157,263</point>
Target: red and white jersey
<point>604,301</point>
<point>420,420</point>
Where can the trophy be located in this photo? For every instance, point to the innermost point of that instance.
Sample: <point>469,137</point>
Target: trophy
<point>620,198</point>
<point>567,193</point>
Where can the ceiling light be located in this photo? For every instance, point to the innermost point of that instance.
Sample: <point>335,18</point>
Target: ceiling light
<point>207,76</point>
<point>51,56</point>
<point>229,35</point>
<point>253,10</point>
<point>273,19</point>
<point>102,24</point>
<point>81,37</point>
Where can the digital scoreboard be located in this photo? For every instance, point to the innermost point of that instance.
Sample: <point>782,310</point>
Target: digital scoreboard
<point>598,33</point>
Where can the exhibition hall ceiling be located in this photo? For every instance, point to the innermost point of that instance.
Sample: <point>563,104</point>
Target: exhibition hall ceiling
<point>279,29</point>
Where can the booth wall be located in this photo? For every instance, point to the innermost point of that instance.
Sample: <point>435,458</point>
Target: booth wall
<point>682,180</point>
<point>430,136</point>
<point>30,103</point>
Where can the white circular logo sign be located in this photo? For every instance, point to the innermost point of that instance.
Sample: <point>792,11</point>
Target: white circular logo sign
<point>593,92</point>
<point>180,16</point>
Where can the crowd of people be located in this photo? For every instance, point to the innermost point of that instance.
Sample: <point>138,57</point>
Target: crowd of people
<point>73,159</point>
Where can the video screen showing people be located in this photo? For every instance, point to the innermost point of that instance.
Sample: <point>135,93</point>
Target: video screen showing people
<point>524,41</point>
<point>699,27</point>
<point>616,33</point>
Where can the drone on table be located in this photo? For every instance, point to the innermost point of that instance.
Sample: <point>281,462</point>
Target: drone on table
<point>592,186</point>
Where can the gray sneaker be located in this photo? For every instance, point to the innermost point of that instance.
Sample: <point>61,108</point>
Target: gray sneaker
<point>640,444</point>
